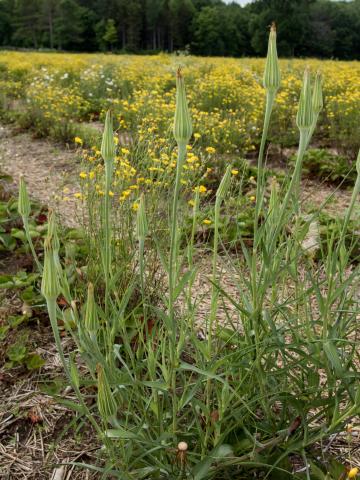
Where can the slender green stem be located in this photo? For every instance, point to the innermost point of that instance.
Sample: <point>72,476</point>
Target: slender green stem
<point>292,189</point>
<point>107,232</point>
<point>31,244</point>
<point>172,277</point>
<point>270,97</point>
<point>51,306</point>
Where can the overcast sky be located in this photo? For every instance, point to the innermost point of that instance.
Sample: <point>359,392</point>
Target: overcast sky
<point>242,2</point>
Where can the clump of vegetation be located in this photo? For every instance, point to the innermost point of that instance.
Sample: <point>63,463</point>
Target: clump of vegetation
<point>328,167</point>
<point>275,376</point>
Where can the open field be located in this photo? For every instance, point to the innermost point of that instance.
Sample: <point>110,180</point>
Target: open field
<point>204,298</point>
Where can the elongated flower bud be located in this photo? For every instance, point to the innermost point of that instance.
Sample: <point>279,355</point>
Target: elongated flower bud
<point>358,164</point>
<point>304,116</point>
<point>24,207</point>
<point>224,184</point>
<point>91,320</point>
<point>105,399</point>
<point>50,287</point>
<point>108,147</point>
<point>52,231</point>
<point>272,77</point>
<point>317,96</point>
<point>182,120</point>
<point>141,222</point>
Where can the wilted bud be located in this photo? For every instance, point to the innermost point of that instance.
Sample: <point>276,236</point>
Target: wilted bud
<point>305,115</point>
<point>182,120</point>
<point>105,399</point>
<point>50,287</point>
<point>317,96</point>
<point>24,207</point>
<point>91,320</point>
<point>224,184</point>
<point>108,147</point>
<point>141,222</point>
<point>272,77</point>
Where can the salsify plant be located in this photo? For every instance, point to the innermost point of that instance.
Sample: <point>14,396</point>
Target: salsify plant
<point>276,375</point>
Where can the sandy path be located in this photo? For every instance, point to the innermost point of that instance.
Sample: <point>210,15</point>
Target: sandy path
<point>48,169</point>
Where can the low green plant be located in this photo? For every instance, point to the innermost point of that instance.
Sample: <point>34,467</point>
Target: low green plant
<point>328,167</point>
<point>277,375</point>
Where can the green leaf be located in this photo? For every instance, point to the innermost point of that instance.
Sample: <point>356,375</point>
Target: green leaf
<point>121,433</point>
<point>201,469</point>
<point>16,352</point>
<point>34,361</point>
<point>333,357</point>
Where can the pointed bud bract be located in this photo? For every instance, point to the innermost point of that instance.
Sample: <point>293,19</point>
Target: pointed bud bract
<point>272,77</point>
<point>224,184</point>
<point>182,120</point>
<point>317,96</point>
<point>91,320</point>
<point>24,206</point>
<point>304,117</point>
<point>52,231</point>
<point>108,147</point>
<point>105,399</point>
<point>50,287</point>
<point>141,221</point>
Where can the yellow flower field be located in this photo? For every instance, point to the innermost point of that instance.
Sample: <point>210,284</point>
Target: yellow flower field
<point>226,96</point>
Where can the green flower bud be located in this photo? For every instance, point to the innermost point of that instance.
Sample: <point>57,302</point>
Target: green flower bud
<point>272,77</point>
<point>52,231</point>
<point>305,114</point>
<point>108,147</point>
<point>317,96</point>
<point>91,320</point>
<point>224,184</point>
<point>141,222</point>
<point>50,287</point>
<point>182,120</point>
<point>358,164</point>
<point>105,399</point>
<point>24,207</point>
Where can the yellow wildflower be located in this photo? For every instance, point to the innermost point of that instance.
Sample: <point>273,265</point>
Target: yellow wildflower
<point>207,221</point>
<point>234,171</point>
<point>78,140</point>
<point>210,150</point>
<point>83,175</point>
<point>353,473</point>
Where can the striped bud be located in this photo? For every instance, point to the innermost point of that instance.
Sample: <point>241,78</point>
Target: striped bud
<point>24,207</point>
<point>91,320</point>
<point>317,96</point>
<point>272,77</point>
<point>108,147</point>
<point>50,287</point>
<point>182,120</point>
<point>224,184</point>
<point>141,222</point>
<point>105,399</point>
<point>52,231</point>
<point>305,115</point>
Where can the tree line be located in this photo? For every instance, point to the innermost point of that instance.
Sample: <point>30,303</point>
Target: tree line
<point>320,28</point>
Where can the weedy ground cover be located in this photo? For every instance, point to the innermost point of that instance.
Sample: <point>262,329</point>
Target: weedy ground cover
<point>247,394</point>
